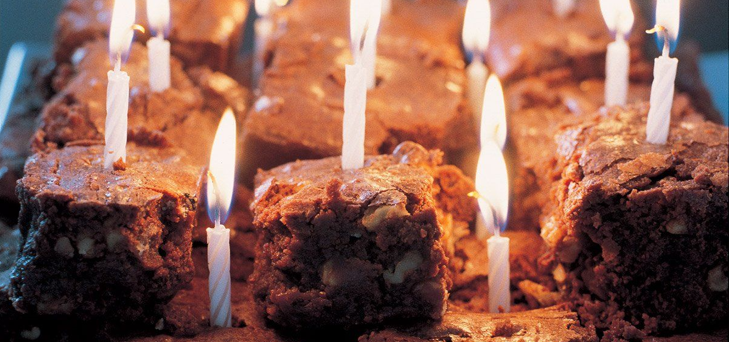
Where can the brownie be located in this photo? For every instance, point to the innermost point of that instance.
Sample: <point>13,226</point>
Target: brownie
<point>202,32</point>
<point>638,231</point>
<point>538,107</point>
<point>349,248</point>
<point>194,103</point>
<point>419,94</point>
<point>528,39</point>
<point>104,244</point>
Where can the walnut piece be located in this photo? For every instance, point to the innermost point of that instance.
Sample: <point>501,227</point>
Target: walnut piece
<point>63,247</point>
<point>676,227</point>
<point>410,262</point>
<point>373,217</point>
<point>718,281</point>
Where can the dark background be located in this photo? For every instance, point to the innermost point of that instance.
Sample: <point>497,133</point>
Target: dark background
<point>33,20</point>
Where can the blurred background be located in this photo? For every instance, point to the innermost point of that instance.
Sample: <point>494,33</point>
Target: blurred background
<point>705,21</point>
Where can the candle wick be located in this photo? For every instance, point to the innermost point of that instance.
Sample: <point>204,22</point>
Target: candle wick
<point>117,65</point>
<point>218,200</point>
<point>495,224</point>
<point>666,43</point>
<point>662,31</point>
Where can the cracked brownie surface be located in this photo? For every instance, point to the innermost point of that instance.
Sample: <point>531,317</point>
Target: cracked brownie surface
<point>640,229</point>
<point>106,243</point>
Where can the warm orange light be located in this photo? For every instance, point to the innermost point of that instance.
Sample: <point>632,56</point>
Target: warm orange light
<point>221,174</point>
<point>158,14</point>
<point>477,26</point>
<point>618,15</point>
<point>493,117</point>
<point>121,33</point>
<point>668,15</point>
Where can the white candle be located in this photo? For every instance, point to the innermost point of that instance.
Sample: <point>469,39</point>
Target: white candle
<point>664,73</point>
<point>221,179</point>
<point>475,35</point>
<point>492,191</point>
<point>499,274</point>
<point>117,108</point>
<point>263,28</point>
<point>121,34</point>
<point>619,18</point>
<point>616,72</point>
<point>219,278</point>
<point>365,18</point>
<point>353,125</point>
<point>563,8</point>
<point>158,49</point>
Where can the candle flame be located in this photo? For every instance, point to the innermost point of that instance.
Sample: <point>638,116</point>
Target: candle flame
<point>477,27</point>
<point>364,16</point>
<point>668,16</point>
<point>492,186</point>
<point>264,7</point>
<point>492,181</point>
<point>121,31</point>
<point>221,173</point>
<point>158,14</point>
<point>618,15</point>
<point>493,117</point>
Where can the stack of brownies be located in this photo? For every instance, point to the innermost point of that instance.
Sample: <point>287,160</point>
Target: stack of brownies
<point>612,238</point>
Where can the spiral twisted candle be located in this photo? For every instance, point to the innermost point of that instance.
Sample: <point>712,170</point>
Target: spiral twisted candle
<point>117,105</point>
<point>499,280</point>
<point>659,115</point>
<point>219,279</point>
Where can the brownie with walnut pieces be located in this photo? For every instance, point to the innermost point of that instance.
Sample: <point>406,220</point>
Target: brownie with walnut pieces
<point>351,247</point>
<point>202,32</point>
<point>104,243</point>
<point>638,231</point>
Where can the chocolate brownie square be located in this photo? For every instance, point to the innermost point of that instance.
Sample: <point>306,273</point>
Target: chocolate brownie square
<point>104,243</point>
<point>351,247</point>
<point>202,32</point>
<point>419,95</point>
<point>194,103</point>
<point>528,39</point>
<point>539,106</point>
<point>639,230</point>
